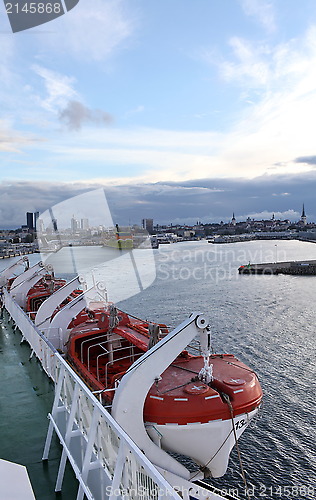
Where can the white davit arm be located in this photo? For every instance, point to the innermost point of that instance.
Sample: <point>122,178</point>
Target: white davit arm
<point>129,399</point>
<point>8,273</point>
<point>23,283</point>
<point>44,314</point>
<point>26,275</point>
<point>61,320</point>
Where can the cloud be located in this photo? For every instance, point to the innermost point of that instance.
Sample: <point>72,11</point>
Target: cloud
<point>262,11</point>
<point>75,114</point>
<point>208,200</point>
<point>266,215</point>
<point>139,109</point>
<point>62,99</point>
<point>19,197</point>
<point>12,140</point>
<point>281,194</point>
<point>282,68</point>
<point>93,31</point>
<point>309,160</point>
<point>251,65</point>
<point>278,125</point>
<point>59,88</point>
<point>264,138</point>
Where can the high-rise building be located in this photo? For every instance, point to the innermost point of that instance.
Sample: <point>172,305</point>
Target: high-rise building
<point>40,225</point>
<point>36,216</point>
<point>148,224</point>
<point>84,224</point>
<point>74,224</point>
<point>30,221</point>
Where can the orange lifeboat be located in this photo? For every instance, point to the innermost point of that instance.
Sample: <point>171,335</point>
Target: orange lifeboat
<point>181,412</point>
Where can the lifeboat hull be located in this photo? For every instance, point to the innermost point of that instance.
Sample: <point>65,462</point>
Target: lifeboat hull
<point>208,444</point>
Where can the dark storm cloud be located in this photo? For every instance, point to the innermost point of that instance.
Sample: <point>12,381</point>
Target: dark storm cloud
<point>310,160</point>
<point>213,200</point>
<point>76,114</point>
<point>208,200</point>
<point>17,198</point>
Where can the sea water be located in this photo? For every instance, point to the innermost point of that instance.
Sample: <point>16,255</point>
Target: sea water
<point>268,322</point>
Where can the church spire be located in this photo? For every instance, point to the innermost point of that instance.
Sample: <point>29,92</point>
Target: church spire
<point>303,216</point>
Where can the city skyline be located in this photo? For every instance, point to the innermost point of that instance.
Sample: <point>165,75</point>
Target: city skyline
<point>173,203</point>
<point>177,121</point>
<point>82,223</point>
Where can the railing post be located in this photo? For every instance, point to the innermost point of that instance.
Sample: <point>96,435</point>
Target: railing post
<point>49,436</point>
<point>88,453</point>
<point>118,472</point>
<point>69,431</point>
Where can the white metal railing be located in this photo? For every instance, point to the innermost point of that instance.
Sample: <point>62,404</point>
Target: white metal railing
<point>107,463</point>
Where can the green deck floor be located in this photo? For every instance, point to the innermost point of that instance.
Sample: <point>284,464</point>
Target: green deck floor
<point>26,397</point>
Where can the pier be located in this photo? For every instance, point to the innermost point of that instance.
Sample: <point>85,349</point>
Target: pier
<point>300,268</point>
<point>8,255</point>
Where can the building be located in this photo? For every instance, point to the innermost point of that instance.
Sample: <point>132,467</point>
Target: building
<point>40,225</point>
<point>36,217</point>
<point>74,224</point>
<point>84,224</point>
<point>30,221</point>
<point>148,224</point>
<point>303,217</point>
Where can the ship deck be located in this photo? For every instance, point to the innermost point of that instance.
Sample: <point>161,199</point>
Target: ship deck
<point>26,397</point>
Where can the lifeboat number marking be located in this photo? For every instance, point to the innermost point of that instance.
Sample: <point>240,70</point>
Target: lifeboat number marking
<point>240,424</point>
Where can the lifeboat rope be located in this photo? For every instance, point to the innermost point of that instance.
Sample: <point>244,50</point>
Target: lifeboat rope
<point>227,400</point>
<point>141,320</point>
<point>204,467</point>
<point>239,366</point>
<point>186,369</point>
<point>173,388</point>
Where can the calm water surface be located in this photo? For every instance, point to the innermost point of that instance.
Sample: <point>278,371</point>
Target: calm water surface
<point>269,323</point>
<point>266,321</point>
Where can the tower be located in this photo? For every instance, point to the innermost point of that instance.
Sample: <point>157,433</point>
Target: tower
<point>303,216</point>
<point>84,224</point>
<point>30,221</point>
<point>148,224</point>
<point>74,224</point>
<point>36,216</point>
<point>233,220</point>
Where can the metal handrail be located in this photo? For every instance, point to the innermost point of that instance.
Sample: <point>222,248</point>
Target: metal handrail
<point>131,356</point>
<point>85,342</point>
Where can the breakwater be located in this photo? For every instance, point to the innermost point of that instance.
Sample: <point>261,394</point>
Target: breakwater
<point>301,268</point>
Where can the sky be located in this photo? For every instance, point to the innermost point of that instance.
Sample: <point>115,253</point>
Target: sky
<point>181,110</point>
